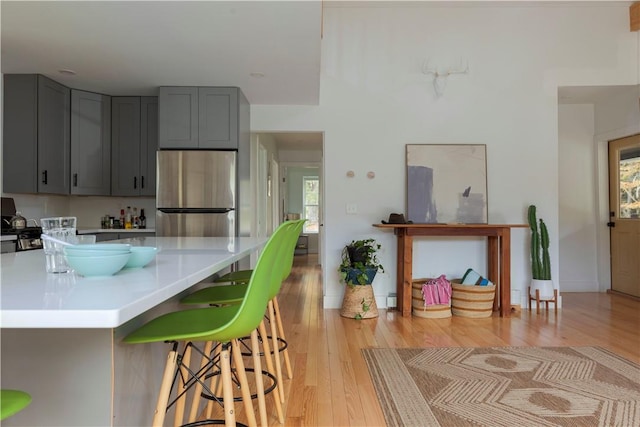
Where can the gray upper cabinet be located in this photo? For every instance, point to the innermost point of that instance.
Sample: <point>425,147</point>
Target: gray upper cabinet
<point>36,140</point>
<point>148,144</point>
<point>90,143</point>
<point>203,118</point>
<point>218,117</point>
<point>178,115</point>
<point>134,144</point>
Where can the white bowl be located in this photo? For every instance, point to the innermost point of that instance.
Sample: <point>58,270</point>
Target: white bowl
<point>106,264</point>
<point>141,256</point>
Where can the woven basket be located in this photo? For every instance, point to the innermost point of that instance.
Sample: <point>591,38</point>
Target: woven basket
<point>352,306</point>
<point>437,311</point>
<point>472,301</point>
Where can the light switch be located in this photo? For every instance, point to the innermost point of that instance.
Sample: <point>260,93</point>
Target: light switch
<point>352,208</point>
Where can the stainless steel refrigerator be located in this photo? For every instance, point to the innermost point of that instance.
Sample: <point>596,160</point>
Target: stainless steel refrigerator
<point>197,193</point>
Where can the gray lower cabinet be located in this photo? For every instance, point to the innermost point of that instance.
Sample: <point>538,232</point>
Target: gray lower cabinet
<point>90,143</point>
<point>134,136</point>
<point>102,237</point>
<point>7,246</point>
<point>202,117</point>
<point>36,135</point>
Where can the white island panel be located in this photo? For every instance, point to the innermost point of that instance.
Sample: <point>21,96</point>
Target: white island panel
<point>61,333</point>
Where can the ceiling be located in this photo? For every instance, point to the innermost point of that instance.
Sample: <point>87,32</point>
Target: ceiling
<point>270,49</point>
<point>298,141</point>
<point>593,94</point>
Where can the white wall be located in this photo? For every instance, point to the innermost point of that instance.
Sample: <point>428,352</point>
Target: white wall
<point>615,118</point>
<point>583,132</point>
<point>577,199</point>
<point>374,100</point>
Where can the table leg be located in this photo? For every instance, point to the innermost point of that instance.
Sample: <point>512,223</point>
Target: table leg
<point>399,269</point>
<point>505,272</point>
<point>405,272</point>
<point>492,268</point>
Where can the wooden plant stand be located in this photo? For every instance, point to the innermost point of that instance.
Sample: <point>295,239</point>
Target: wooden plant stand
<point>546,302</point>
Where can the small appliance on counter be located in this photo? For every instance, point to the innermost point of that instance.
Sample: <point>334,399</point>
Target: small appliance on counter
<point>27,237</point>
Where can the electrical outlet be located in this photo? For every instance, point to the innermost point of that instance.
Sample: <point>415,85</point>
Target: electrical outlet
<point>352,208</point>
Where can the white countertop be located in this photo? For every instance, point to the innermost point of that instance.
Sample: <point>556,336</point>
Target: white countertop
<point>115,230</point>
<point>32,298</point>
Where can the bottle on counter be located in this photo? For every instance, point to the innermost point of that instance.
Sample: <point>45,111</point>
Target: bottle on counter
<point>121,218</point>
<point>127,218</point>
<point>136,220</point>
<point>143,219</point>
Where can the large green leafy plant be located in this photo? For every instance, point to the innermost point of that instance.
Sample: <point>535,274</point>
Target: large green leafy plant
<point>360,263</point>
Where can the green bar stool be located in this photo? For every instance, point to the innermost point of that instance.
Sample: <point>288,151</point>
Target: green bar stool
<point>232,294</point>
<point>12,402</point>
<point>224,325</point>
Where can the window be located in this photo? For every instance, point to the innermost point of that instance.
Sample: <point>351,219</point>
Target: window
<point>310,198</point>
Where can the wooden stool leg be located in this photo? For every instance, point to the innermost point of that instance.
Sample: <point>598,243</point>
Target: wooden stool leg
<point>193,413</point>
<point>257,368</point>
<point>181,388</point>
<point>276,353</point>
<point>287,362</point>
<point>267,356</point>
<point>215,386</point>
<point>244,383</point>
<point>227,387</point>
<point>555,301</point>
<point>537,301</point>
<point>165,386</point>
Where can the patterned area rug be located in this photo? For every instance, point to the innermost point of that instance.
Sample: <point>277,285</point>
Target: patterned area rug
<point>505,386</point>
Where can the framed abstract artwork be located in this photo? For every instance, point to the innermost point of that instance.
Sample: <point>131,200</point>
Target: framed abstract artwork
<point>447,183</point>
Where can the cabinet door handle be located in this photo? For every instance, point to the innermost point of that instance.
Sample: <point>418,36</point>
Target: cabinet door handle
<point>75,179</point>
<point>135,182</point>
<point>44,176</point>
<point>142,181</point>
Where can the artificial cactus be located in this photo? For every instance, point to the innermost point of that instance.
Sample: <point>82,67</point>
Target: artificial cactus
<point>540,259</point>
<point>535,242</point>
<point>545,274</point>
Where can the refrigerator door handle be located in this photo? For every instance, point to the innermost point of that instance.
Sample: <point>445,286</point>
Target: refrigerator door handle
<point>195,210</point>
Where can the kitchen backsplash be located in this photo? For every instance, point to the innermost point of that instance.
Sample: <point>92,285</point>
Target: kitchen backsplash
<point>88,209</point>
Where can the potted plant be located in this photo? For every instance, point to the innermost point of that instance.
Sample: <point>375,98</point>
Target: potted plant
<point>357,269</point>
<point>360,262</point>
<point>540,259</point>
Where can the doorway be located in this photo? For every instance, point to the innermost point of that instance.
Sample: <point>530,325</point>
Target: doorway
<point>294,162</point>
<point>624,213</point>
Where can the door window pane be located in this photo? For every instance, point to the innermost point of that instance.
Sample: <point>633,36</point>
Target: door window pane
<point>629,168</point>
<point>310,197</point>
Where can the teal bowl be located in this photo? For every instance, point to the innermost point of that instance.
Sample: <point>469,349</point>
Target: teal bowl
<point>92,253</point>
<point>141,256</point>
<point>106,264</point>
<point>98,247</point>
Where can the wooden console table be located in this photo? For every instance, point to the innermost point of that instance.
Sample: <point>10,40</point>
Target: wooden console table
<point>498,257</point>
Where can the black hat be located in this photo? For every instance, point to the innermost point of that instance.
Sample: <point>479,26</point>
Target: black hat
<point>396,218</point>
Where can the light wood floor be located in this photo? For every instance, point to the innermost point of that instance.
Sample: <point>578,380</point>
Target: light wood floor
<point>331,385</point>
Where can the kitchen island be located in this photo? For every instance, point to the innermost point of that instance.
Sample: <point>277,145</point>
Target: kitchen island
<point>61,333</point>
